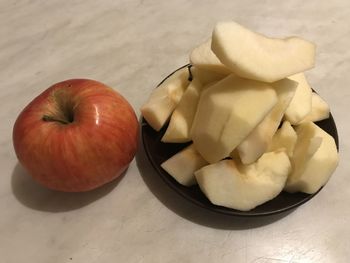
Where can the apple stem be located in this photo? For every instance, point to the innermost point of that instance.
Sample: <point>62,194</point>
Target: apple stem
<point>190,76</point>
<point>50,118</point>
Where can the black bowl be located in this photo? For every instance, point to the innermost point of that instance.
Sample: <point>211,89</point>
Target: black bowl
<point>157,152</point>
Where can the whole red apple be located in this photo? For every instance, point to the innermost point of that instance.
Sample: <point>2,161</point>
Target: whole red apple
<point>76,136</point>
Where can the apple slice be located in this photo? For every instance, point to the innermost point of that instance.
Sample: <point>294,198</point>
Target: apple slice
<point>260,138</point>
<point>319,109</point>
<point>206,77</point>
<point>203,57</point>
<point>243,187</point>
<point>285,138</point>
<point>180,124</point>
<point>254,56</point>
<point>300,106</point>
<point>227,112</point>
<point>183,164</point>
<point>164,99</point>
<point>314,160</point>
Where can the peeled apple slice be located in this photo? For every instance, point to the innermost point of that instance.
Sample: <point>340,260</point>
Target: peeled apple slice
<point>314,160</point>
<point>300,106</point>
<point>203,57</point>
<point>183,164</point>
<point>180,124</point>
<point>243,187</point>
<point>260,138</point>
<point>164,99</point>
<point>227,112</point>
<point>206,77</point>
<point>255,56</point>
<point>284,138</point>
<point>319,109</point>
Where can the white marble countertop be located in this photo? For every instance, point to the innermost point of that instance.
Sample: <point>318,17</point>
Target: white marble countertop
<point>131,46</point>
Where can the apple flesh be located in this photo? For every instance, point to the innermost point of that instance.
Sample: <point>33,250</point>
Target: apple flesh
<point>260,138</point>
<point>164,99</point>
<point>243,187</point>
<point>178,130</point>
<point>319,109</point>
<point>254,56</point>
<point>206,77</point>
<point>204,58</point>
<point>76,136</point>
<point>314,160</point>
<point>183,164</point>
<point>227,112</point>
<point>300,106</point>
<point>284,138</point>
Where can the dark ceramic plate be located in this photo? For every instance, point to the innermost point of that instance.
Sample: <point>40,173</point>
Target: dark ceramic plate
<point>158,152</point>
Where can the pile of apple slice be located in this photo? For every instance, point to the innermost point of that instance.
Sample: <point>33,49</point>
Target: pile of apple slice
<point>248,110</point>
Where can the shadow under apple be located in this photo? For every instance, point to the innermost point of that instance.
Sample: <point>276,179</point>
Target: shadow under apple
<point>35,196</point>
<point>190,211</point>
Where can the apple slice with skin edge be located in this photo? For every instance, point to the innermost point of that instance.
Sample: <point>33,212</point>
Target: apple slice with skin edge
<point>255,56</point>
<point>285,138</point>
<point>313,164</point>
<point>178,130</point>
<point>204,58</point>
<point>300,106</point>
<point>243,187</point>
<point>319,109</point>
<point>164,99</point>
<point>205,76</point>
<point>227,112</point>
<point>183,164</point>
<point>260,138</point>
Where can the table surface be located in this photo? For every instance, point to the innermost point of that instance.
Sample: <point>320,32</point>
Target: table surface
<point>131,46</point>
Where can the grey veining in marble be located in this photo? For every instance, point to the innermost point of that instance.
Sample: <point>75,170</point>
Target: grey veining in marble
<point>131,46</point>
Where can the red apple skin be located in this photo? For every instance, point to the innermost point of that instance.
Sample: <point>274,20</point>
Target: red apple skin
<point>93,149</point>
